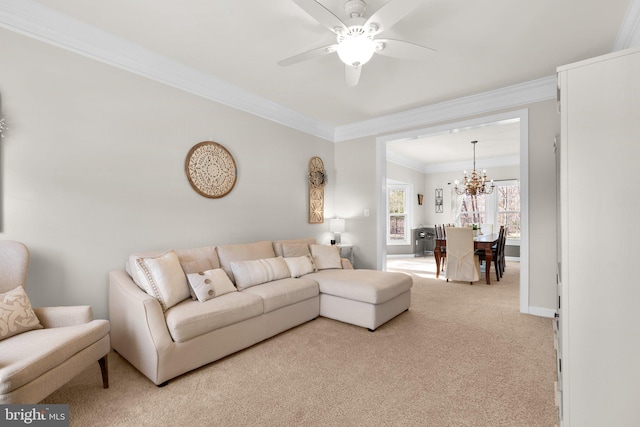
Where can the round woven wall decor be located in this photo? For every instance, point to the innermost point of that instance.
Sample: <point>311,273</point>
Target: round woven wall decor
<point>211,169</point>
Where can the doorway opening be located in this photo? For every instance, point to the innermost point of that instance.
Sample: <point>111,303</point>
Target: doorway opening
<point>460,161</point>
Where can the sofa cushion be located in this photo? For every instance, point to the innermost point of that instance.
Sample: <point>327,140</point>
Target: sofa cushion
<point>190,319</point>
<point>210,284</point>
<point>277,245</point>
<point>162,277</point>
<point>256,272</point>
<point>282,293</point>
<point>243,252</point>
<point>326,256</point>
<point>371,286</point>
<point>290,250</point>
<point>16,314</point>
<point>25,357</point>
<point>301,265</point>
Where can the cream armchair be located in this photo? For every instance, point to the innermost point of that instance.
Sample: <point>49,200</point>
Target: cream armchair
<point>41,349</point>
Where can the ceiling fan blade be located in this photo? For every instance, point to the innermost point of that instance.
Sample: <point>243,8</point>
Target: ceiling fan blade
<point>308,55</point>
<point>352,75</point>
<point>322,15</point>
<point>404,50</point>
<point>392,11</point>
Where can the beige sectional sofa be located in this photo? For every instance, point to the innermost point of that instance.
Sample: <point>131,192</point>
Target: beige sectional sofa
<point>174,311</point>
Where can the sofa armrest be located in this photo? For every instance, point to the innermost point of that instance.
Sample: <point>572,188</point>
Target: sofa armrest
<point>138,327</point>
<point>58,317</point>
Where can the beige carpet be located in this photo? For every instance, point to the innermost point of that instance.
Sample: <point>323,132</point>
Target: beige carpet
<point>461,356</point>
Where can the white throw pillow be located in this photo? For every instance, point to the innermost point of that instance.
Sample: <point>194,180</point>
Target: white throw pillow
<point>301,265</point>
<point>195,266</point>
<point>16,314</point>
<point>162,277</point>
<point>326,256</point>
<point>210,284</point>
<point>256,272</point>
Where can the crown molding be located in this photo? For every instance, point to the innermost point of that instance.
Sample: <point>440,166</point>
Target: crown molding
<point>629,34</point>
<point>410,163</point>
<point>405,161</point>
<point>508,97</point>
<point>42,23</point>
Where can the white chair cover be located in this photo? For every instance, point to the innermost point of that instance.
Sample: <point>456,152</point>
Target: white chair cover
<point>462,263</point>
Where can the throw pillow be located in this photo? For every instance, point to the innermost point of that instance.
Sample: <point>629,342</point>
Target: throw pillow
<point>295,249</point>
<point>16,314</point>
<point>210,284</point>
<point>256,272</point>
<point>326,256</point>
<point>301,265</point>
<point>195,266</point>
<point>162,278</point>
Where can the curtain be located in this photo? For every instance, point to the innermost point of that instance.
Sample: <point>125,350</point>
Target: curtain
<point>456,203</point>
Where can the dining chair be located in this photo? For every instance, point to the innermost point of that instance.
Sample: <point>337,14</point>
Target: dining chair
<point>440,234</point>
<point>495,253</point>
<point>462,262</point>
<point>502,242</point>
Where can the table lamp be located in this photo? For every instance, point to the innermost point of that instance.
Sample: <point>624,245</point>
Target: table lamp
<point>336,226</point>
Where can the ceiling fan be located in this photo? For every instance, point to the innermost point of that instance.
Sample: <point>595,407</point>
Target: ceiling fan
<point>356,36</point>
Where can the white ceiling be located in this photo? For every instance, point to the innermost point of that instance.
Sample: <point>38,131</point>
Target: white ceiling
<point>498,145</point>
<point>482,46</point>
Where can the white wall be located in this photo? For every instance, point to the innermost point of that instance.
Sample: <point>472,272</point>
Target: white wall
<point>417,181</point>
<point>92,169</point>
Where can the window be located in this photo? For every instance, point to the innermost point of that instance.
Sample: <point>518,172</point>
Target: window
<point>502,207</point>
<point>398,221</point>
<point>508,207</point>
<point>473,210</point>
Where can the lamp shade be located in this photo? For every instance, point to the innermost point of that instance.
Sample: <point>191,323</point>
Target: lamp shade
<point>336,225</point>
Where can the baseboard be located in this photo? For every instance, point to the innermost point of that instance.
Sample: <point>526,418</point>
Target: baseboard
<point>542,312</point>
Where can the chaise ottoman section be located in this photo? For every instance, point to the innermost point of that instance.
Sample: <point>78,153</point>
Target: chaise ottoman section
<point>366,298</point>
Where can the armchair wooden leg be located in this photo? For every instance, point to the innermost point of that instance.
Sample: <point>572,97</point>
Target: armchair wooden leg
<point>104,369</point>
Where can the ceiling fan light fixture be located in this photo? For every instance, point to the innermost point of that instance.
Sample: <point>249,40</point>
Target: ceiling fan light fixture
<point>355,48</point>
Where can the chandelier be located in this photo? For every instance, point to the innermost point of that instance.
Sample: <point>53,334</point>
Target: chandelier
<point>474,184</point>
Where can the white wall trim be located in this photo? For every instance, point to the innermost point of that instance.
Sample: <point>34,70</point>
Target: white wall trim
<point>542,312</point>
<point>45,24</point>
<point>42,23</point>
<point>505,98</point>
<point>413,164</point>
<point>35,20</point>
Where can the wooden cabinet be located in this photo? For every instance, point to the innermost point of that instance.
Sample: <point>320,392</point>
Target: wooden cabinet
<point>599,316</point>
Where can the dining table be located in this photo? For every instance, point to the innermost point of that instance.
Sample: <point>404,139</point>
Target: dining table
<point>481,242</point>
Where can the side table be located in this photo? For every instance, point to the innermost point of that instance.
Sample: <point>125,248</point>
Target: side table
<point>346,251</point>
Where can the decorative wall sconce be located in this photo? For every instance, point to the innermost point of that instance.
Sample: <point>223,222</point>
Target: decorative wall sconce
<point>317,180</point>
<point>420,199</point>
<point>439,200</point>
